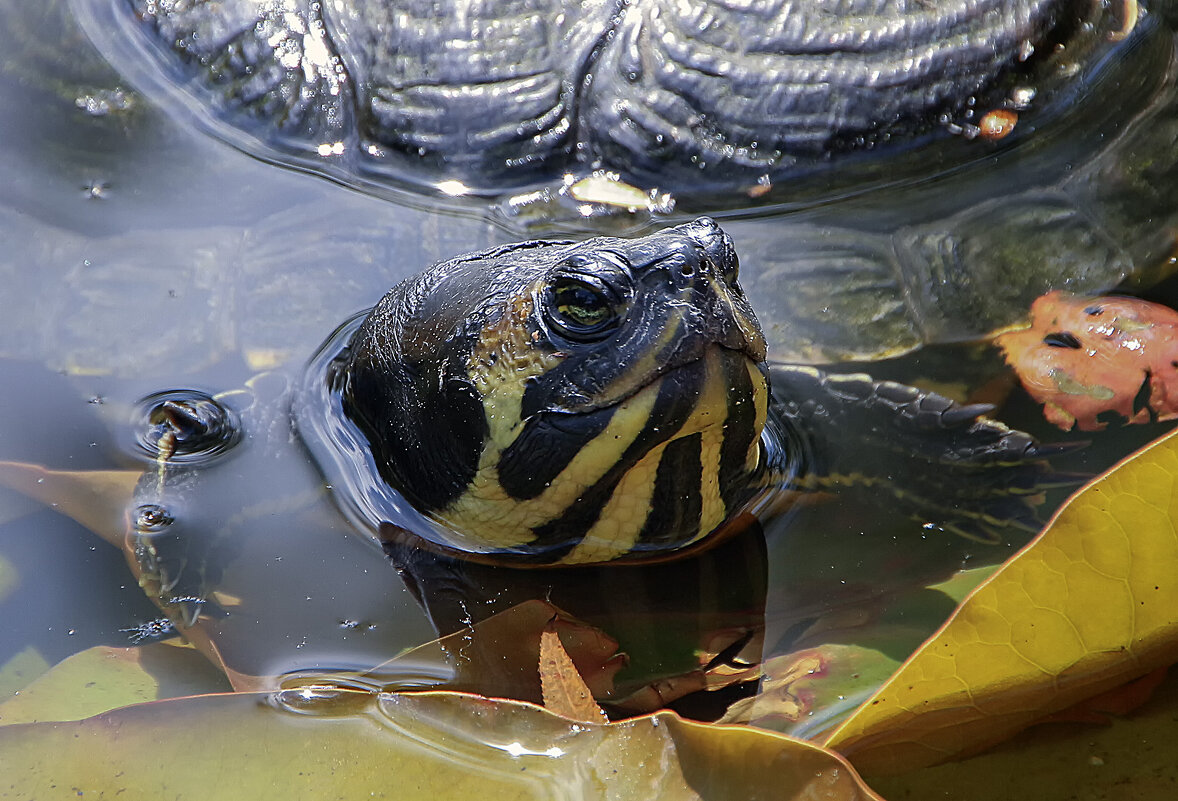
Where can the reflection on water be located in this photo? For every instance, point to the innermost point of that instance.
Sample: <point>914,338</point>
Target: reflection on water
<point>139,256</point>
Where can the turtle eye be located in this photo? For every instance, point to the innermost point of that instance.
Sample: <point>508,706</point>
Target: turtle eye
<point>582,308</point>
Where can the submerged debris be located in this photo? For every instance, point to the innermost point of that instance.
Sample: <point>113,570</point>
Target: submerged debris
<point>1091,361</point>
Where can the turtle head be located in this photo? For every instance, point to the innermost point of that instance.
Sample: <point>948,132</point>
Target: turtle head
<point>568,402</point>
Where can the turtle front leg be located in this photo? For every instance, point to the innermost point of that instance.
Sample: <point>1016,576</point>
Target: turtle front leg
<point>948,466</point>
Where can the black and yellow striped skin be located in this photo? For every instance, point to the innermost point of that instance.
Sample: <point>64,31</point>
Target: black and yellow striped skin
<point>555,403</point>
<point>499,419</point>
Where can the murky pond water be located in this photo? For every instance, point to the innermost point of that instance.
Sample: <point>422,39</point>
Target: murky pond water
<point>140,254</point>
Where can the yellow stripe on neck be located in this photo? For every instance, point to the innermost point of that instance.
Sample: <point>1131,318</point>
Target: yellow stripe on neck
<point>486,513</point>
<point>625,514</point>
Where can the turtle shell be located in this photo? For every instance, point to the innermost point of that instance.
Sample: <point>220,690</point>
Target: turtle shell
<point>1081,196</point>
<point>1083,202</point>
<point>488,97</point>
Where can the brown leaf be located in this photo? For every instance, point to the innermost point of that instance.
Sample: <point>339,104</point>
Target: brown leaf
<point>497,656</point>
<point>563,689</point>
<point>96,498</point>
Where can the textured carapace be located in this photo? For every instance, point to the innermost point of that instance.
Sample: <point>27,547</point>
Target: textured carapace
<point>495,93</point>
<point>572,402</point>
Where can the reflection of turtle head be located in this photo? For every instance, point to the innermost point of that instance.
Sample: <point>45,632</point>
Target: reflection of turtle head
<point>572,402</point>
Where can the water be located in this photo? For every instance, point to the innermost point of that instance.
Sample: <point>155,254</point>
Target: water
<point>139,255</point>
<point>164,278</point>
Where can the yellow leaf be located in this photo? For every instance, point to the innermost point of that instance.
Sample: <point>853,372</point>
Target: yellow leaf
<point>565,692</point>
<point>1090,604</point>
<point>1128,758</point>
<point>331,742</point>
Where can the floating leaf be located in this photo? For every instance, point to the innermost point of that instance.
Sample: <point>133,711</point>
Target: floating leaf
<point>335,743</point>
<point>1085,357</point>
<point>565,693</point>
<point>1127,758</point>
<point>1087,606</point>
<point>104,678</point>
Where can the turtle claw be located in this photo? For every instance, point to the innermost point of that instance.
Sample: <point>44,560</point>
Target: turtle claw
<point>1061,480</point>
<point>957,415</point>
<point>186,426</point>
<point>1050,449</point>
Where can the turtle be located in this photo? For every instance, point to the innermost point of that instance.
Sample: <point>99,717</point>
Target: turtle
<point>486,97</point>
<point>580,402</point>
<point>583,419</point>
<point>1085,205</point>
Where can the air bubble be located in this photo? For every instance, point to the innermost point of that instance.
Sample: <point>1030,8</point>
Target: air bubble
<point>305,695</point>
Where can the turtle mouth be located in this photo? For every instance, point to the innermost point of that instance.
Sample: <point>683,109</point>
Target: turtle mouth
<point>682,359</point>
<point>677,383</point>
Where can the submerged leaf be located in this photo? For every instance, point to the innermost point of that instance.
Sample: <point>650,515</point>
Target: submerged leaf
<point>331,742</point>
<point>98,500</point>
<point>20,669</point>
<point>729,657</point>
<point>781,696</point>
<point>95,498</point>
<point>1117,701</point>
<point>497,656</point>
<point>103,678</point>
<point>1086,357</point>
<point>564,691</point>
<point>846,655</point>
<point>1087,606</point>
<point>8,577</point>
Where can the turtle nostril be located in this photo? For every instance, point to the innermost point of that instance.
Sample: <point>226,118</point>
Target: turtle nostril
<point>686,270</point>
<point>185,426</point>
<point>706,226</point>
